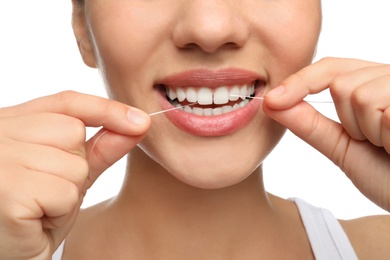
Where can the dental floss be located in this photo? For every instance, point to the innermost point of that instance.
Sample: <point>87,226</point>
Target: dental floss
<point>262,98</point>
<point>170,109</point>
<point>93,147</point>
<point>151,114</point>
<point>180,107</point>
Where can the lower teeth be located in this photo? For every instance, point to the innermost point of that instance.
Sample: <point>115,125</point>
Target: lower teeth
<point>211,111</point>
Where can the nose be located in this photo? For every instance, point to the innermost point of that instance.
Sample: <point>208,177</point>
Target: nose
<point>210,25</point>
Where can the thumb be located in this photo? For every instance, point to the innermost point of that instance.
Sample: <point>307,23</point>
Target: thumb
<point>324,134</point>
<point>365,164</point>
<point>104,149</point>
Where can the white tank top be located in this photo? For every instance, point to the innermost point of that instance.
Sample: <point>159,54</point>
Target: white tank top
<point>327,237</point>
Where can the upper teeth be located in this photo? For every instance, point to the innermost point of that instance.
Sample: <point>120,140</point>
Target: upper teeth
<point>206,96</point>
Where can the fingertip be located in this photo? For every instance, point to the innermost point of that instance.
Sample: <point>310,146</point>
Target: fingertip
<point>139,119</point>
<point>271,111</point>
<point>279,91</point>
<point>274,99</point>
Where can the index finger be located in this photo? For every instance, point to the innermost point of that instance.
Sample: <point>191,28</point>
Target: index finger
<point>311,80</point>
<point>91,110</point>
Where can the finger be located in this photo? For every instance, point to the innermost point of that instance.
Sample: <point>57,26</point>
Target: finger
<point>385,130</point>
<point>47,159</point>
<point>329,138</point>
<point>104,149</point>
<point>91,110</point>
<point>355,158</point>
<point>309,125</point>
<point>358,159</point>
<point>310,80</point>
<point>369,102</point>
<point>48,129</point>
<point>349,90</point>
<point>40,196</point>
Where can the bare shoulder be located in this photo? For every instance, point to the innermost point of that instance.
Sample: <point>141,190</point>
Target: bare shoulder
<point>370,236</point>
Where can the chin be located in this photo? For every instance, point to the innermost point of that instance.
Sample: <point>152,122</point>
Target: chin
<point>213,174</point>
<point>212,179</point>
<point>212,162</point>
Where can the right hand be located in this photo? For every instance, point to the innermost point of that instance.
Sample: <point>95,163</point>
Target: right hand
<point>46,166</point>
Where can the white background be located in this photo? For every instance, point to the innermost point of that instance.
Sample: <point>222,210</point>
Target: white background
<point>38,56</point>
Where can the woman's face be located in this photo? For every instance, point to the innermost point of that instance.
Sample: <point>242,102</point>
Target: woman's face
<point>200,52</point>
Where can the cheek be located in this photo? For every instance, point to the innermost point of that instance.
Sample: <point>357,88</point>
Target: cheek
<point>129,40</point>
<point>290,36</point>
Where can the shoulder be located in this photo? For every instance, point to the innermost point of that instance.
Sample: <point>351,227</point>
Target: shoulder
<point>370,236</point>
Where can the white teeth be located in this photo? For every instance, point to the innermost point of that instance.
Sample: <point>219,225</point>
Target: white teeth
<point>181,95</point>
<point>188,109</point>
<point>206,96</point>
<point>192,95</point>
<point>221,96</point>
<point>227,109</point>
<point>211,111</point>
<point>197,111</point>
<point>243,91</point>
<point>217,111</point>
<point>244,103</point>
<point>207,111</point>
<point>235,92</point>
<point>250,90</point>
<point>171,94</point>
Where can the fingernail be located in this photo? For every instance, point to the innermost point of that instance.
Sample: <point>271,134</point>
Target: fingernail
<point>276,92</point>
<point>137,117</point>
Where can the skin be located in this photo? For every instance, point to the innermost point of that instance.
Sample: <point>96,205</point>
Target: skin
<point>217,207</point>
<point>188,32</point>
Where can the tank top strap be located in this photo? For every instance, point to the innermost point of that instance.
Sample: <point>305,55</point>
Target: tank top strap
<point>326,235</point>
<point>58,253</point>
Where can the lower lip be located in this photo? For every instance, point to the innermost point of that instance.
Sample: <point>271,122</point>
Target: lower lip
<point>212,125</point>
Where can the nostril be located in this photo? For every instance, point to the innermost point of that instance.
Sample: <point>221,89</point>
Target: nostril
<point>209,48</point>
<point>189,46</point>
<point>231,45</point>
<point>210,26</point>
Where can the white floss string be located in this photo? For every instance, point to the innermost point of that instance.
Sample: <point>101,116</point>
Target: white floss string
<point>151,114</point>
<point>92,148</point>
<point>180,107</point>
<point>170,109</point>
<point>97,139</point>
<point>309,101</point>
<point>250,97</point>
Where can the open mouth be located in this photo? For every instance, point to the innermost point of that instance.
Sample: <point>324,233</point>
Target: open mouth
<point>206,101</point>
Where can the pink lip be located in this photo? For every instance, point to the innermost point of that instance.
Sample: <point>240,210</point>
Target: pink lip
<point>211,125</point>
<point>210,78</point>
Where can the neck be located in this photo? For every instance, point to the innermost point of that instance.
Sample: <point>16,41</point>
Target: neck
<point>149,182</point>
<point>163,207</point>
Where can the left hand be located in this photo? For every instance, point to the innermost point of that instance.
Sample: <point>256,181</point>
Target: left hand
<point>360,144</point>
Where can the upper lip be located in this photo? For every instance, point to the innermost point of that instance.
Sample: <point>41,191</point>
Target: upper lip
<point>210,78</point>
